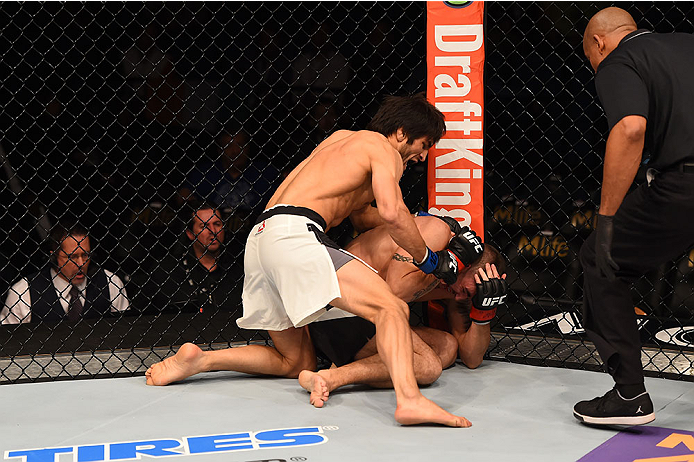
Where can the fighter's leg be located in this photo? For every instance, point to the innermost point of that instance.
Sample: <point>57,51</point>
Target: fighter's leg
<point>292,353</point>
<point>428,346</point>
<point>369,369</point>
<point>427,362</point>
<point>365,294</point>
<point>442,343</point>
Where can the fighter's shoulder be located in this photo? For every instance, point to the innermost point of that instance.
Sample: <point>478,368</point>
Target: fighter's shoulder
<point>435,232</point>
<point>340,135</point>
<point>370,141</point>
<point>370,135</point>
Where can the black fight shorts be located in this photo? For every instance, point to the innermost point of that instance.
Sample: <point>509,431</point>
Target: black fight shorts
<point>339,340</point>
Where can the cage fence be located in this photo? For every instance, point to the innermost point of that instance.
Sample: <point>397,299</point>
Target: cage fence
<point>126,117</point>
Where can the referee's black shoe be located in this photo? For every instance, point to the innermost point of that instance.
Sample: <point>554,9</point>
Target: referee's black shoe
<point>613,409</point>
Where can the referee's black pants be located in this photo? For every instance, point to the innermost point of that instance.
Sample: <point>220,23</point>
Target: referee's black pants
<point>654,224</point>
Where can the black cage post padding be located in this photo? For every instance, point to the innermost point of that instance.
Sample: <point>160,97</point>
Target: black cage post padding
<point>123,116</point>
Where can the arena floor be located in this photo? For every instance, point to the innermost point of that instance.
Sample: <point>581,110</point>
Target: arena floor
<point>520,413</point>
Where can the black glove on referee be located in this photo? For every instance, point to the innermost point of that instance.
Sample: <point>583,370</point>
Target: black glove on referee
<point>603,247</point>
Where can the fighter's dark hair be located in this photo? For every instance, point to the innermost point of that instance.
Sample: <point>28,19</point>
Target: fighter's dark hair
<point>416,116</point>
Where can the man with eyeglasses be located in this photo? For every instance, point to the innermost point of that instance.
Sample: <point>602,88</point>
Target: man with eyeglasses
<point>67,289</point>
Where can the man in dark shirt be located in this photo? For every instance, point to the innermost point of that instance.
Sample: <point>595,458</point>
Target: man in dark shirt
<point>201,278</point>
<point>643,81</point>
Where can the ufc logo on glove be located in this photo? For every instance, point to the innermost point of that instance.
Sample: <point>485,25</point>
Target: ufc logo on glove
<point>474,240</point>
<point>494,301</point>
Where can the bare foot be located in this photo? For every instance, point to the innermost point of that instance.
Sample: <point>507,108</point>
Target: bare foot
<point>422,410</point>
<point>315,384</point>
<point>186,362</point>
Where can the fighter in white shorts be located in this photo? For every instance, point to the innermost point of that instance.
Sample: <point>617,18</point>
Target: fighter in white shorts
<point>289,242</point>
<point>340,179</point>
<point>348,342</point>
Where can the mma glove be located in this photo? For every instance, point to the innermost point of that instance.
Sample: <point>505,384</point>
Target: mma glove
<point>490,295</point>
<point>603,247</point>
<point>442,264</point>
<point>465,245</point>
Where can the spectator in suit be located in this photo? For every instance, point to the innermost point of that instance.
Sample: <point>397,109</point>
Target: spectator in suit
<point>69,287</point>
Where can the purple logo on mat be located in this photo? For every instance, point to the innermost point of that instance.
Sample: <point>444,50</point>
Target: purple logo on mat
<point>645,444</point>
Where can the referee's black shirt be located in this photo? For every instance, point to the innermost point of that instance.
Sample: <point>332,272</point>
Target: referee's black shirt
<point>652,75</point>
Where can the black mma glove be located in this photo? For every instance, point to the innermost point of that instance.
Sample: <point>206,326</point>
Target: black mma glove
<point>490,295</point>
<point>452,223</point>
<point>603,247</point>
<point>442,264</point>
<point>467,246</point>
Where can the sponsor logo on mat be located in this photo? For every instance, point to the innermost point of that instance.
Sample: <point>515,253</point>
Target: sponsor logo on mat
<point>185,446</point>
<point>645,444</point>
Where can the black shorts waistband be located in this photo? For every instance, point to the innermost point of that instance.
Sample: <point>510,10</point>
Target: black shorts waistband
<point>686,167</point>
<point>292,210</point>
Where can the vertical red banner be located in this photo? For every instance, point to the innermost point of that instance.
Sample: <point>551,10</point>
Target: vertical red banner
<point>455,85</point>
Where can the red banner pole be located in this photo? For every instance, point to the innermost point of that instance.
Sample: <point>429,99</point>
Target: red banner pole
<point>455,85</point>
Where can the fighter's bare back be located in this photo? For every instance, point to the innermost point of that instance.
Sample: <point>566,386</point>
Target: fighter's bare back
<point>336,179</point>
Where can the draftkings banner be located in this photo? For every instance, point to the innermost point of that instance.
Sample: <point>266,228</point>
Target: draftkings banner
<point>455,84</point>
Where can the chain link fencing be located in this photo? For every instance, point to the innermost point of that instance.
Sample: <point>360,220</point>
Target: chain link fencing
<point>545,141</point>
<point>125,117</point>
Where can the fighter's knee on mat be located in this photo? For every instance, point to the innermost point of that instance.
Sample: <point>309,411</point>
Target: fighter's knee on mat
<point>447,350</point>
<point>429,371</point>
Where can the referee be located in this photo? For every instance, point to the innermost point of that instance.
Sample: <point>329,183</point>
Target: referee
<point>644,82</point>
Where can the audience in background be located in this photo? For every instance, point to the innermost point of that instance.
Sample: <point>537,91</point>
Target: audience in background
<point>235,180</point>
<point>319,71</point>
<point>151,78</point>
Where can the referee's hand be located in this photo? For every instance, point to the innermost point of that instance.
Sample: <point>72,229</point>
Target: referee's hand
<point>603,247</point>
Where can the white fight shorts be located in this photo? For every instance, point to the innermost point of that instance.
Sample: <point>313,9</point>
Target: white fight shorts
<point>290,267</point>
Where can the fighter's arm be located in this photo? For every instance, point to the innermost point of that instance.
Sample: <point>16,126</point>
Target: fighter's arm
<point>470,318</point>
<point>473,339</point>
<point>404,279</point>
<point>385,176</point>
<point>366,218</point>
